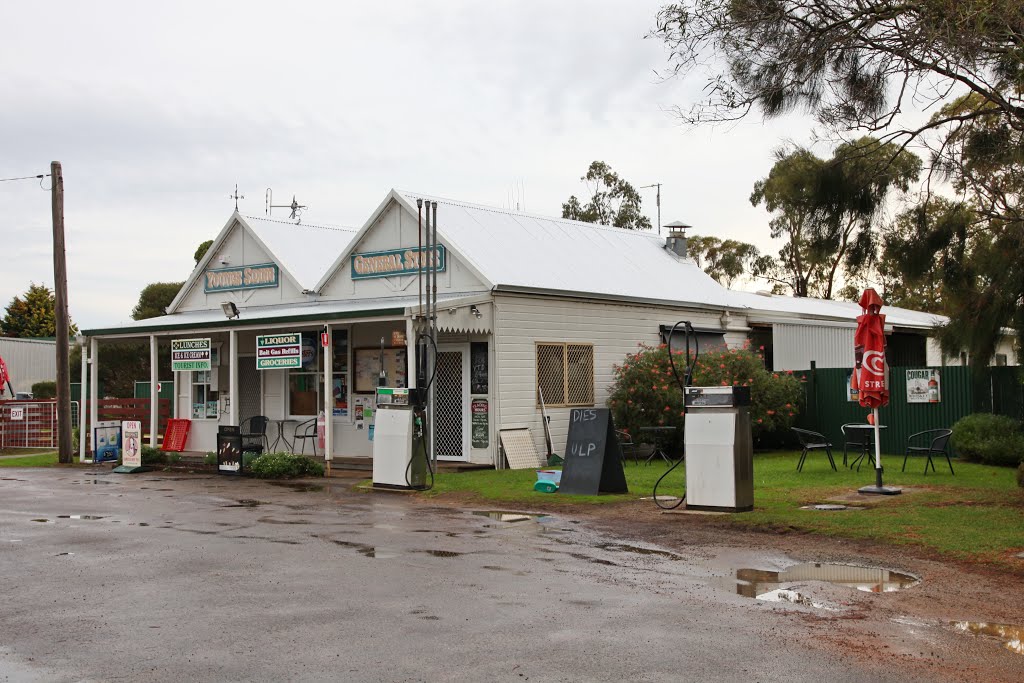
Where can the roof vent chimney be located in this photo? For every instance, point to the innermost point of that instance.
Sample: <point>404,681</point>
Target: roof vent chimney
<point>676,240</point>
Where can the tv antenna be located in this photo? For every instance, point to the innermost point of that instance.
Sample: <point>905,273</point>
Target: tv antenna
<point>296,208</point>
<point>236,196</point>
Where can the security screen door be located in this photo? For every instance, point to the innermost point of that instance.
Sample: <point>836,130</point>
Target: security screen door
<point>451,414</point>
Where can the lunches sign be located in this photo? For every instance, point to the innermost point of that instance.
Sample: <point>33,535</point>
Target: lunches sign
<point>393,262</point>
<point>275,351</point>
<point>189,355</point>
<point>241,277</point>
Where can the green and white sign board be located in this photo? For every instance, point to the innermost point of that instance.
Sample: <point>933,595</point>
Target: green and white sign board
<point>275,351</point>
<point>188,355</point>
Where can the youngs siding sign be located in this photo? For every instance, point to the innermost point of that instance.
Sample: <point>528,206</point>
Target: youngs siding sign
<point>391,262</point>
<point>257,276</point>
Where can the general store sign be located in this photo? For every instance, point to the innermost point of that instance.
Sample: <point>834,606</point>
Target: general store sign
<point>275,351</point>
<point>189,355</point>
<point>241,277</point>
<point>393,262</point>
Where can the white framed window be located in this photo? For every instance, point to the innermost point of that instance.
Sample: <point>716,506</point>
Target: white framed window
<point>204,396</point>
<point>340,373</point>
<point>306,384</point>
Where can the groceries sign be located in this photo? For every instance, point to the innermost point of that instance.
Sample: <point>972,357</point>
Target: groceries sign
<point>275,351</point>
<point>393,262</point>
<point>241,277</point>
<point>191,354</point>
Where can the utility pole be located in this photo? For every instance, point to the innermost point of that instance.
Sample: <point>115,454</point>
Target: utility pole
<point>657,200</point>
<point>60,286</point>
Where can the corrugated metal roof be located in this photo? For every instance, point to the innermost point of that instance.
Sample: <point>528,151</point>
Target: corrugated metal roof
<point>258,315</point>
<point>520,250</point>
<point>771,308</point>
<point>305,251</point>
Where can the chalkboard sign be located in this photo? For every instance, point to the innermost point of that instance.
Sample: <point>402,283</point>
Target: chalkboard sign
<point>478,379</point>
<point>593,456</point>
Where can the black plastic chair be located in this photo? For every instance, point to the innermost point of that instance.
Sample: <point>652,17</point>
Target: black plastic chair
<point>254,434</point>
<point>939,438</point>
<point>860,440</point>
<point>812,441</point>
<point>306,431</point>
<point>629,448</point>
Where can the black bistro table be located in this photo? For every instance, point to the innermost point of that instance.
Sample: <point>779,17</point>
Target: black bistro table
<point>660,437</point>
<point>281,434</point>
<point>871,452</point>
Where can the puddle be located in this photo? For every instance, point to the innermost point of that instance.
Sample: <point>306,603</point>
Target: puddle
<point>143,523</point>
<point>245,503</point>
<point>830,507</point>
<point>11,479</point>
<point>753,583</point>
<point>441,553</point>
<point>93,481</point>
<point>362,548</point>
<point>511,517</point>
<point>1012,636</point>
<point>623,548</point>
<point>59,554</point>
<point>793,597</point>
<point>271,520</point>
<point>79,517</point>
<point>45,521</point>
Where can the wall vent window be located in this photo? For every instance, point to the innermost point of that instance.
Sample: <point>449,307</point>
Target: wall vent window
<point>565,374</point>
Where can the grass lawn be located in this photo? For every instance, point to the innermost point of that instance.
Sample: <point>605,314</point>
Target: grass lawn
<point>978,514</point>
<point>37,460</point>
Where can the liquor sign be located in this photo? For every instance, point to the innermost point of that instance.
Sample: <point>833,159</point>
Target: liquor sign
<point>391,262</point>
<point>274,351</point>
<point>257,276</point>
<point>188,355</point>
<point>923,386</point>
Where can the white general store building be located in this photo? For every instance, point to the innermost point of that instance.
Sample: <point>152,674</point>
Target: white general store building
<point>525,301</point>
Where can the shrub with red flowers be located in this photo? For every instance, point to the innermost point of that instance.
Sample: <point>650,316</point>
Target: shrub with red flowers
<point>645,392</point>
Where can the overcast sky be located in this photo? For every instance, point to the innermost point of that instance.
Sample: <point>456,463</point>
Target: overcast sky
<point>157,110</point>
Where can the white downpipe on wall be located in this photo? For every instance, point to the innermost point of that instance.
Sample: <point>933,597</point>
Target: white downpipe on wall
<point>154,391</point>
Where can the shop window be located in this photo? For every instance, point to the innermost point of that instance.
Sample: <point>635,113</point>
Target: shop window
<point>204,400</point>
<point>305,384</point>
<point>339,372</point>
<point>565,374</point>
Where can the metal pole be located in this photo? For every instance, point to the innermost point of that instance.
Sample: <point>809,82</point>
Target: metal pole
<point>878,450</point>
<point>419,263</point>
<point>433,334</point>
<point>154,391</point>
<point>83,400</point>
<point>94,389</point>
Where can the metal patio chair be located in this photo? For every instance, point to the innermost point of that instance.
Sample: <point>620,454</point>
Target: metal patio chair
<point>937,439</point>
<point>254,434</point>
<point>629,447</point>
<point>812,441</point>
<point>305,431</point>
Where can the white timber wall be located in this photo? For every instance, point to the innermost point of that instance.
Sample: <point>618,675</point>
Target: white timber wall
<point>795,346</point>
<point>614,329</point>
<point>29,361</point>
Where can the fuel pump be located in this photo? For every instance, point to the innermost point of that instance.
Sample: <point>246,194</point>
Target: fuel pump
<point>717,442</point>
<point>683,382</point>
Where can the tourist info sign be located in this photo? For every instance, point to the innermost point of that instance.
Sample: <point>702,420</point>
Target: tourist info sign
<point>275,351</point>
<point>191,354</point>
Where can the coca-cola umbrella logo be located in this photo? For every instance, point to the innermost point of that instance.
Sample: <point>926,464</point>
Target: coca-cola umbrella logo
<point>874,361</point>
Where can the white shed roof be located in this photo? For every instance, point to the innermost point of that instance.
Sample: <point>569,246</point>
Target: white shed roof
<point>764,308</point>
<point>517,250</point>
<point>305,251</point>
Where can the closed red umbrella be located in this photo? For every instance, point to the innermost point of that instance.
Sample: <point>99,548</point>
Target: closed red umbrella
<point>5,378</point>
<point>871,374</point>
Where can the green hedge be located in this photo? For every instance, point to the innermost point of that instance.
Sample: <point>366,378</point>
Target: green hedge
<point>44,390</point>
<point>989,439</point>
<point>285,466</point>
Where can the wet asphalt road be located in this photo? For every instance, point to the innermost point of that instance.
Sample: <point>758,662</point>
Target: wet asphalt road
<point>194,577</point>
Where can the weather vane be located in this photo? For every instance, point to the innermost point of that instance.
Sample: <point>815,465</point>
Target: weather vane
<point>295,207</point>
<point>236,196</point>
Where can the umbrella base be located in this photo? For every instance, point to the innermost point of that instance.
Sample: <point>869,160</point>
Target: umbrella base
<point>880,490</point>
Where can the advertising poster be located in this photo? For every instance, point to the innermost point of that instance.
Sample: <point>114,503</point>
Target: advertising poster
<point>923,386</point>
<point>131,438</point>
<point>106,439</point>
<point>851,393</point>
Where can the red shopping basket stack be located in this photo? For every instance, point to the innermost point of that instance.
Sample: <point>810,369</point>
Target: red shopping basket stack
<point>175,435</point>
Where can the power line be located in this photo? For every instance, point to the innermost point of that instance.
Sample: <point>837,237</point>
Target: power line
<point>27,177</point>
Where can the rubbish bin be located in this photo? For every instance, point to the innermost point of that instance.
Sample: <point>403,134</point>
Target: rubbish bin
<point>229,449</point>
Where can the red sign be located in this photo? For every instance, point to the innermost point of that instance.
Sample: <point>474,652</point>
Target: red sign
<point>4,377</point>
<point>324,339</point>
